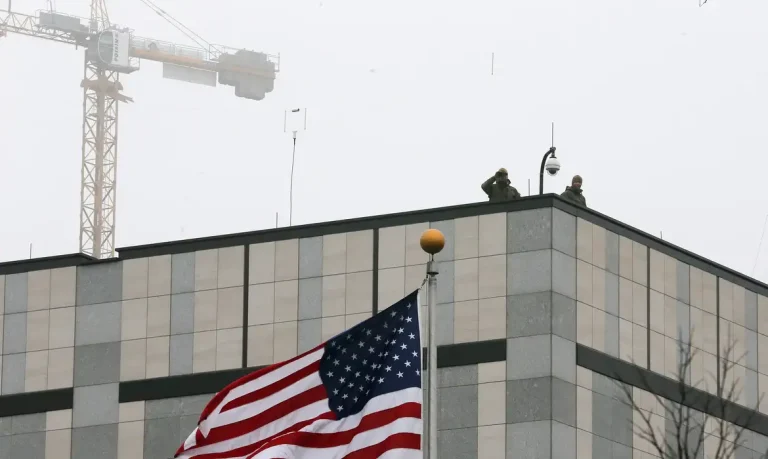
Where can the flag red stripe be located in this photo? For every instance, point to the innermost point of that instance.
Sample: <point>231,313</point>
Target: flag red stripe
<point>219,398</point>
<point>394,441</point>
<point>329,440</point>
<point>282,409</point>
<point>247,449</point>
<point>273,388</point>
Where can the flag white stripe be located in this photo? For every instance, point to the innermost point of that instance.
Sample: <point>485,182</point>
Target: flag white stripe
<point>260,383</point>
<point>379,403</point>
<point>401,453</point>
<point>240,413</point>
<point>376,404</point>
<point>276,375</point>
<point>191,440</point>
<point>362,440</point>
<point>308,412</point>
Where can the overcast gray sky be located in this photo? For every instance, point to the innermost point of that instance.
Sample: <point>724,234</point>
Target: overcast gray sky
<point>659,104</point>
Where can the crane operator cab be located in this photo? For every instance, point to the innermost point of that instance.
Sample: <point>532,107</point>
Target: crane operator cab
<point>113,50</point>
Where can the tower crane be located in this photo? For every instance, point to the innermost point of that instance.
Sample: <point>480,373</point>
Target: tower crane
<point>109,52</point>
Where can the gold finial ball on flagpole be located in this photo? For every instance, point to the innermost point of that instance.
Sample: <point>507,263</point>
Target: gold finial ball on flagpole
<point>432,241</point>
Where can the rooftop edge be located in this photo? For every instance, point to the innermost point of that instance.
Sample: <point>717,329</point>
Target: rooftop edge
<point>35,264</point>
<point>396,219</point>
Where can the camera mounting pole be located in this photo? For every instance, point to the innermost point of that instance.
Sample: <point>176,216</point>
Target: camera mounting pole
<point>549,152</point>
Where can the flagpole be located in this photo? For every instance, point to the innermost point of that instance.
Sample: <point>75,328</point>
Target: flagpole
<point>432,241</point>
<point>424,375</point>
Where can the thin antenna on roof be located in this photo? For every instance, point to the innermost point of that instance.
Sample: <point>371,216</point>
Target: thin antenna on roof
<point>529,187</point>
<point>294,131</point>
<point>759,246</point>
<point>553,133</point>
<point>493,59</point>
<point>276,219</point>
<point>30,250</point>
<point>293,163</point>
<point>661,235</point>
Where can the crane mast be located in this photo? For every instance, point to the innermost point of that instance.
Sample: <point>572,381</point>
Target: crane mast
<point>99,167</point>
<point>110,51</point>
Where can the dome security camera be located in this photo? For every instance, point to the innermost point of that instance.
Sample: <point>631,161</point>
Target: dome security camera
<point>552,166</point>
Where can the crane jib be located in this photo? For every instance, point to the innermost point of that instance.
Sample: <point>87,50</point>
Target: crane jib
<point>160,56</point>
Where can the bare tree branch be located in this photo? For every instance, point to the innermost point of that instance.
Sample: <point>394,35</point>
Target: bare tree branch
<point>689,425</point>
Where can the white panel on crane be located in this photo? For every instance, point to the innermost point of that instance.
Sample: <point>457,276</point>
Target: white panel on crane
<point>121,42</point>
<point>188,74</point>
<point>61,22</point>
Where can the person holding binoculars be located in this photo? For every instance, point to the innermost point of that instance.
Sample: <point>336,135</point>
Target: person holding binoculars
<point>498,187</point>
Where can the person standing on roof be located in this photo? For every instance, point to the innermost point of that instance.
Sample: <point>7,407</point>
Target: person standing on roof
<point>498,187</point>
<point>573,193</point>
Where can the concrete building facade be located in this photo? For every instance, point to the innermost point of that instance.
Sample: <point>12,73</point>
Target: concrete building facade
<point>542,306</point>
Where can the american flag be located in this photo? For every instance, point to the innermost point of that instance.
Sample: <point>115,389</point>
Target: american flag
<point>355,396</point>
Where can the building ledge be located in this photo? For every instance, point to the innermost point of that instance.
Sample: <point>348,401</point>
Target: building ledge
<point>396,219</point>
<point>36,264</point>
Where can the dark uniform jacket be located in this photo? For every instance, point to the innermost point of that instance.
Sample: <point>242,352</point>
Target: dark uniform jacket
<point>574,195</point>
<point>497,193</point>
